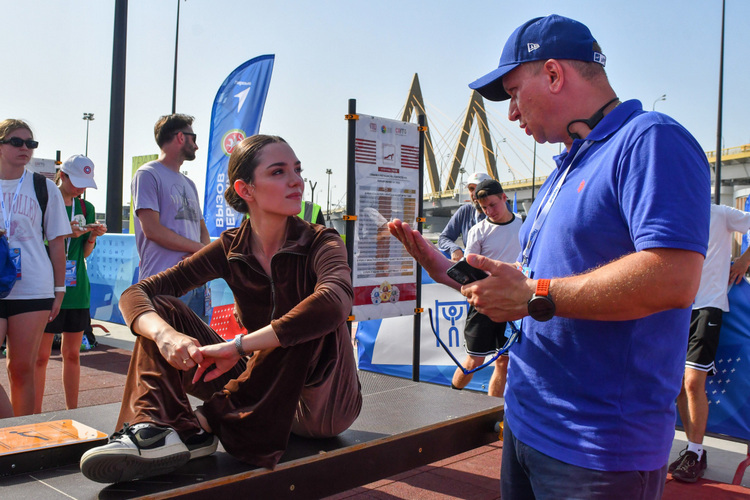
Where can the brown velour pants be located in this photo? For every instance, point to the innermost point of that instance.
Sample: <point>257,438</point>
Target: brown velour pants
<point>310,389</point>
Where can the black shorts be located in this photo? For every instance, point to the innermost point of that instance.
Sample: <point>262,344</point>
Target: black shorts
<point>483,336</point>
<point>10,308</point>
<point>69,320</point>
<point>705,325</point>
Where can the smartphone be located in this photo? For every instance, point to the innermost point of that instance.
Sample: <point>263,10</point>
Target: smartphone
<point>464,273</point>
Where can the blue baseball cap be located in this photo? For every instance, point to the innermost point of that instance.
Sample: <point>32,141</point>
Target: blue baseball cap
<point>542,38</point>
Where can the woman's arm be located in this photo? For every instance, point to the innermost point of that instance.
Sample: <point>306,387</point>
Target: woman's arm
<point>330,303</point>
<point>226,354</point>
<point>57,257</point>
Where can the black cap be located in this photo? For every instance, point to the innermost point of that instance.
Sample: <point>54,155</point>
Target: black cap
<point>488,188</point>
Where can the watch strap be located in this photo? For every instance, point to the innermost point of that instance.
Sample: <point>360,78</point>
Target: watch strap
<point>238,345</point>
<point>542,287</point>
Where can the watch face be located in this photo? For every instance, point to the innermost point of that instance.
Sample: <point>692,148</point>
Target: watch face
<point>541,308</point>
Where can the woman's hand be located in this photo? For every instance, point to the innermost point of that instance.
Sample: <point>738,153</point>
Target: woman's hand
<point>59,296</point>
<point>223,355</point>
<point>77,230</point>
<point>98,230</point>
<point>180,350</point>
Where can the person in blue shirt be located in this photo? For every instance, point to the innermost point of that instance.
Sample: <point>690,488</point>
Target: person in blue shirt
<point>462,220</point>
<point>612,251</point>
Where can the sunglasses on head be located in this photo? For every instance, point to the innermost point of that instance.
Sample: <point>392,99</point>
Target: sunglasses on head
<point>17,142</point>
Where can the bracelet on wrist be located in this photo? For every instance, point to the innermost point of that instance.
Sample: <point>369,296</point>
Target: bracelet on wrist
<point>92,240</point>
<point>238,345</point>
<point>59,289</point>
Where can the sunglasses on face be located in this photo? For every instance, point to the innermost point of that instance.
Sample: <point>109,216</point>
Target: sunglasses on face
<point>191,134</point>
<point>17,142</point>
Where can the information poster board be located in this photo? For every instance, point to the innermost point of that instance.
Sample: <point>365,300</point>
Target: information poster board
<point>387,186</point>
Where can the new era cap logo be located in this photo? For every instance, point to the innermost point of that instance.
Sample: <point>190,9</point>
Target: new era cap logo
<point>532,46</point>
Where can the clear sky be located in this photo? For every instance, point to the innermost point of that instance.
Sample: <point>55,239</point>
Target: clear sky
<point>57,63</point>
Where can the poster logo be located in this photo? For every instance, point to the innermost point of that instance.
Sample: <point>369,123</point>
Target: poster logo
<point>384,293</point>
<point>230,140</point>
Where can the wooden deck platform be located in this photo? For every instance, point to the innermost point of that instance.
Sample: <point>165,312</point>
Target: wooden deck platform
<point>403,425</point>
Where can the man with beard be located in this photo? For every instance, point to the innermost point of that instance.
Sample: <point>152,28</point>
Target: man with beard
<point>169,223</point>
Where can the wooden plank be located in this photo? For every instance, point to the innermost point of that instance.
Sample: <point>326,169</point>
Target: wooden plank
<point>43,445</point>
<point>342,469</point>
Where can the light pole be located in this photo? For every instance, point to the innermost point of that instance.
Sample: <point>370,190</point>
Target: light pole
<point>174,77</point>
<point>88,117</point>
<point>328,201</point>
<point>662,98</point>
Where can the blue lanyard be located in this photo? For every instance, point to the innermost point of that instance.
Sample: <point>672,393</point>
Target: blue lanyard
<point>7,214</point>
<point>546,205</point>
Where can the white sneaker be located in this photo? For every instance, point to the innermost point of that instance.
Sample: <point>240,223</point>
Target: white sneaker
<point>136,452</point>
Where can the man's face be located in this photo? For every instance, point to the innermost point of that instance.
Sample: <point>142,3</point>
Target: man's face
<point>472,188</point>
<point>495,207</point>
<point>527,104</point>
<point>189,147</point>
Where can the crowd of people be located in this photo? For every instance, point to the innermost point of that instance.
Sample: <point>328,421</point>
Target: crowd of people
<point>603,274</point>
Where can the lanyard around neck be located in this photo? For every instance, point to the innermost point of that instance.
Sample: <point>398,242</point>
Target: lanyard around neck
<point>7,214</point>
<point>546,205</point>
<point>72,217</point>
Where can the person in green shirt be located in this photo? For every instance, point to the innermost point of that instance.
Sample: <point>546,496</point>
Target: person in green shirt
<point>75,175</point>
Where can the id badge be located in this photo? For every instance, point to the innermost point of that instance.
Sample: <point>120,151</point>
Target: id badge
<point>15,257</point>
<point>526,270</point>
<point>71,268</point>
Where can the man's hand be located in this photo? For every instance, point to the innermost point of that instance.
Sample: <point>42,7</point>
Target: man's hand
<point>503,296</point>
<point>739,268</point>
<point>457,255</point>
<point>429,257</point>
<point>180,350</point>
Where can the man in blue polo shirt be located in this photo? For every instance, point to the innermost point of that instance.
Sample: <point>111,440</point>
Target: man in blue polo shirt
<point>612,251</point>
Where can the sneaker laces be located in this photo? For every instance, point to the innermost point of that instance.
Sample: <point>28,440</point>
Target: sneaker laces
<point>129,432</point>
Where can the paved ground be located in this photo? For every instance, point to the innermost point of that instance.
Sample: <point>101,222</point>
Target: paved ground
<point>472,475</point>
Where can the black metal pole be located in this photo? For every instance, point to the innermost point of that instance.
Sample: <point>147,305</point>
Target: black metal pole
<point>417,338</point>
<point>717,186</point>
<point>117,118</point>
<point>174,79</point>
<point>351,201</point>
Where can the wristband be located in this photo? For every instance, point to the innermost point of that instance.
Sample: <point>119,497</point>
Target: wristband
<point>238,345</point>
<point>60,289</point>
<point>92,241</point>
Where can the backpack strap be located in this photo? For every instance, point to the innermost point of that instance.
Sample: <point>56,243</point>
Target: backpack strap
<point>40,188</point>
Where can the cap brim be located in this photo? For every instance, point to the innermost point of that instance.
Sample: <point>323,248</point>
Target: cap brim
<point>490,86</point>
<point>82,182</point>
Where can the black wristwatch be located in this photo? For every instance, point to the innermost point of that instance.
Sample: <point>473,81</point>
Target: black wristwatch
<point>540,306</point>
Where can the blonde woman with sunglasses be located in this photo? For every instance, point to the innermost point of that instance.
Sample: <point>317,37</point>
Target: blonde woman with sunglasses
<point>40,285</point>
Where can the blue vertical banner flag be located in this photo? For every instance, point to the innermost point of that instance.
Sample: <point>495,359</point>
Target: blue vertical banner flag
<point>236,114</point>
<point>515,203</point>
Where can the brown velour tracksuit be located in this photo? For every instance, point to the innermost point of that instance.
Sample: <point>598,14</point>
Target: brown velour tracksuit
<point>308,386</point>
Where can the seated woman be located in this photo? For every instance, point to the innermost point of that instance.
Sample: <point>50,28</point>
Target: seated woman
<point>292,290</point>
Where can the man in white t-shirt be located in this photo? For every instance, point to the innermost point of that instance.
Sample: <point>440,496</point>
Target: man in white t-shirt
<point>719,272</point>
<point>169,223</point>
<point>495,237</point>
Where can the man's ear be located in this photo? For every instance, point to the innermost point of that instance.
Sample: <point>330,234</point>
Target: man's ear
<point>555,74</point>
